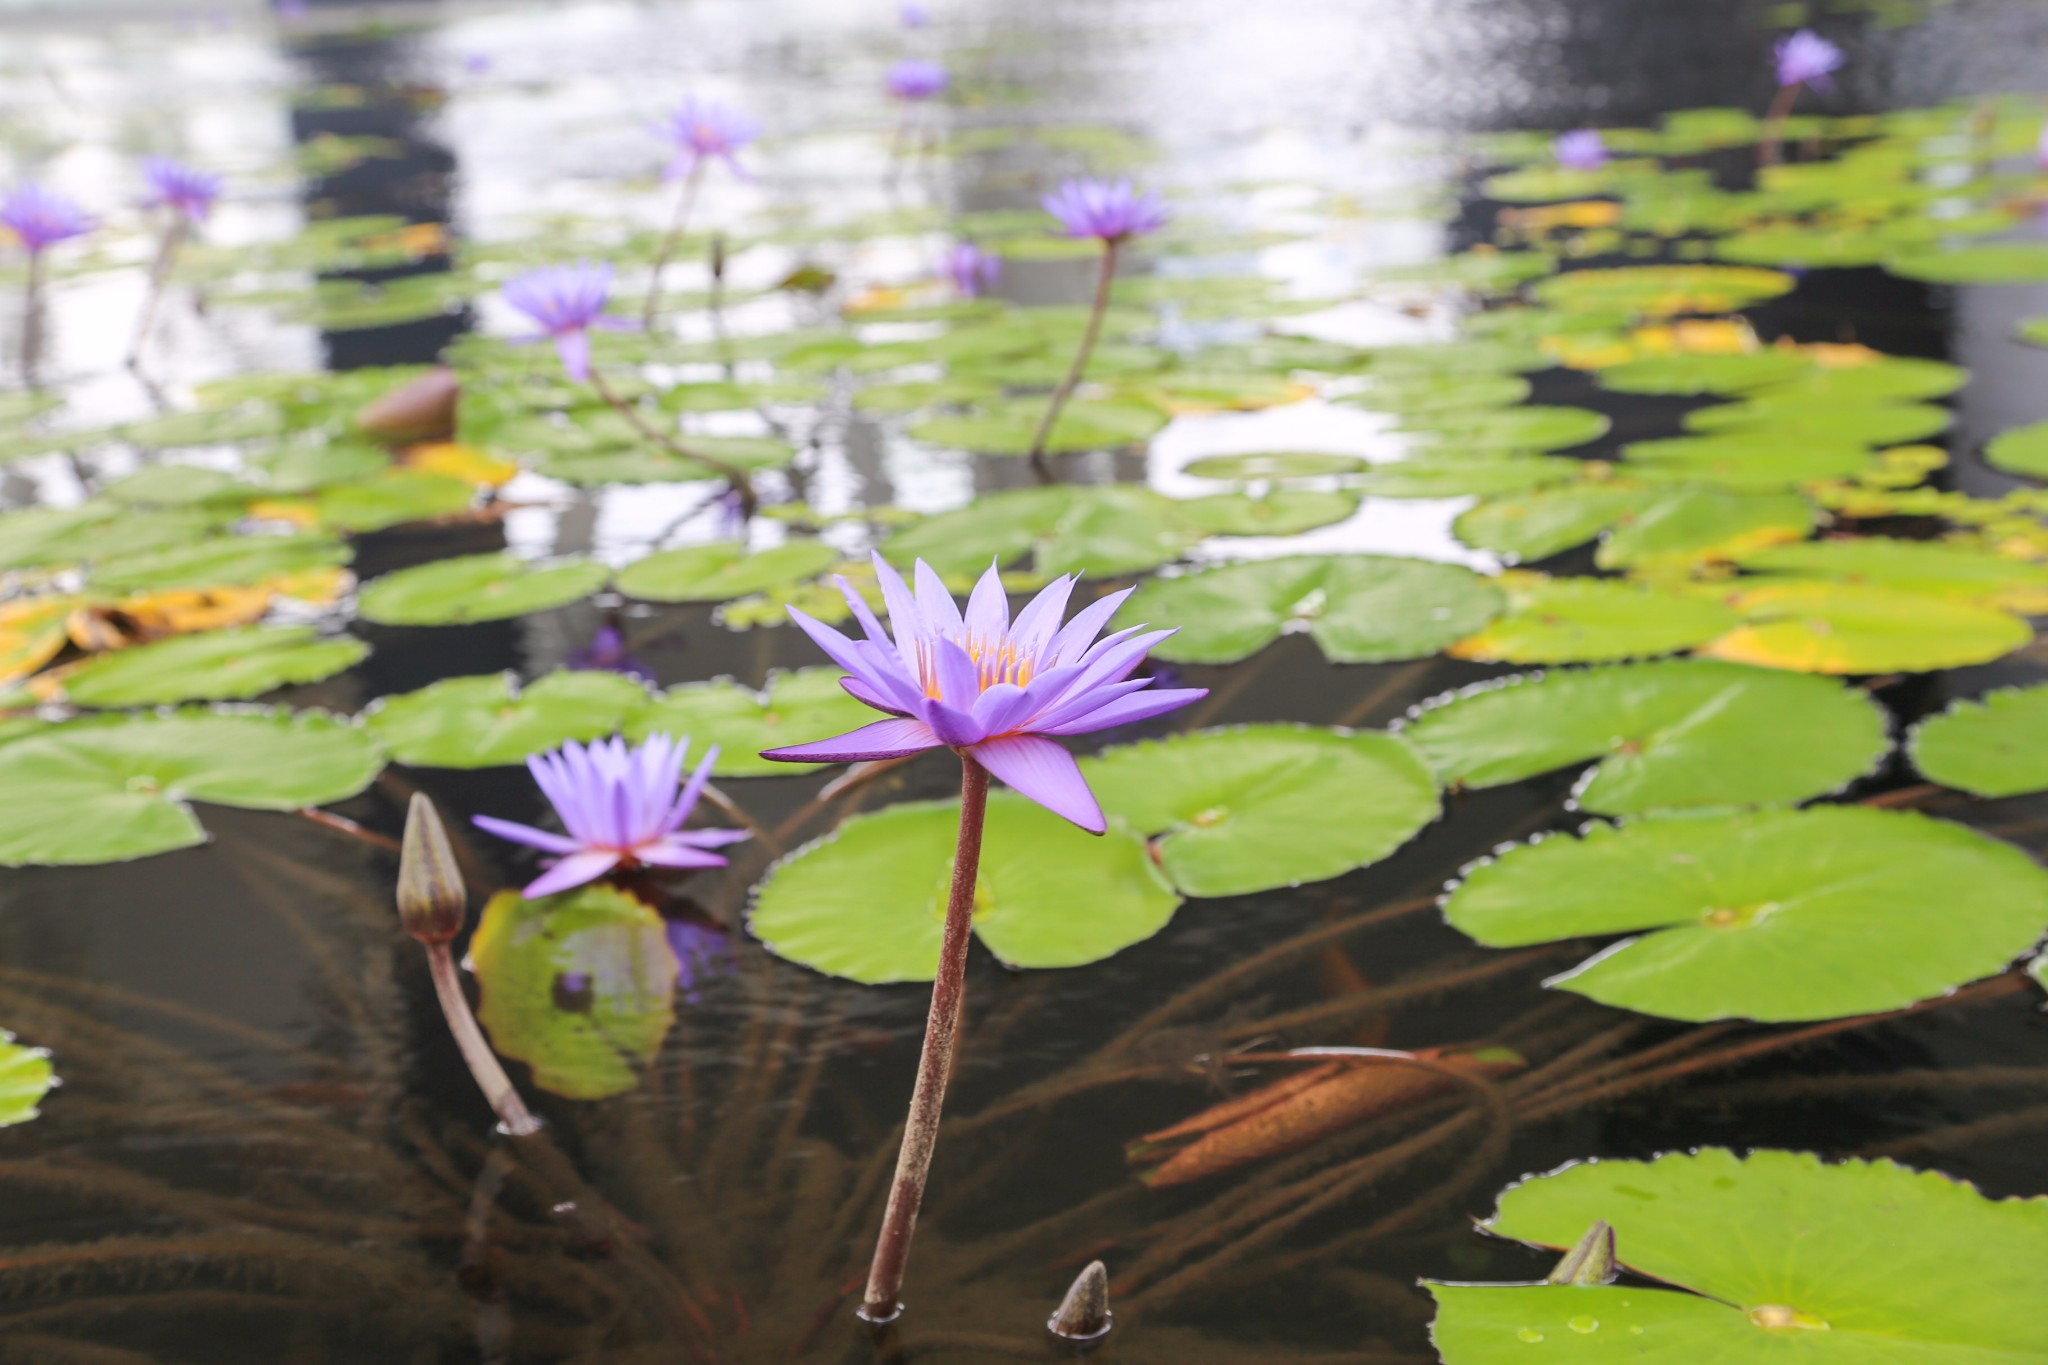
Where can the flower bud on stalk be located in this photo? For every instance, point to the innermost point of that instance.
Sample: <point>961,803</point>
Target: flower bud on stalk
<point>432,901</point>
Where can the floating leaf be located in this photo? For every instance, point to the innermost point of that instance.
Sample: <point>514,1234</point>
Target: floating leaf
<point>1852,628</point>
<point>868,902</point>
<point>1456,357</point>
<point>1099,529</point>
<point>1085,424</point>
<point>489,587</point>
<point>1420,395</point>
<point>1444,476</point>
<point>104,791</point>
<point>46,536</point>
<point>1751,460</point>
<point>222,561</point>
<point>1585,620</point>
<point>1662,290</point>
<point>392,498</point>
<point>485,722</point>
<point>1982,263</point>
<point>25,1077</point>
<point>1772,915</point>
<point>1994,746</point>
<point>1262,806</point>
<point>1868,423</point>
<point>2022,450</point>
<point>1668,735</point>
<point>1524,428</point>
<point>1693,375</point>
<point>1691,525</point>
<point>174,485</point>
<point>1359,608</point>
<point>1931,567</point>
<point>1279,464</point>
<point>723,570</point>
<point>580,986</point>
<point>216,665</point>
<point>1283,513</point>
<point>1547,521</point>
<point>1546,184</point>
<point>794,708</point>
<point>1872,378</point>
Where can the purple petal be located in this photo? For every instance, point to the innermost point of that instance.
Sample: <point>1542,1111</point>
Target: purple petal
<point>883,739</point>
<point>1073,640</point>
<point>1041,770</point>
<point>1125,710</point>
<point>836,646</point>
<point>998,710</point>
<point>959,680</point>
<point>954,726</point>
<point>692,790</point>
<point>1039,621</point>
<point>710,838</point>
<point>934,603</point>
<point>988,607</point>
<point>525,834</point>
<point>670,854</point>
<point>574,348</point>
<point>573,870</point>
<point>903,614</point>
<point>861,692</point>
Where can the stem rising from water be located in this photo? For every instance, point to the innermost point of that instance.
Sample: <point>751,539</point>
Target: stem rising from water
<point>1065,391</point>
<point>482,1062</point>
<point>684,202</point>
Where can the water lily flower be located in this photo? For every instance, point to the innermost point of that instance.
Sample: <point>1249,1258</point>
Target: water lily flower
<point>1806,58</point>
<point>993,689</point>
<point>1109,210</point>
<point>971,270</point>
<point>42,218</point>
<point>704,129</point>
<point>607,653</point>
<point>914,78</point>
<point>1581,150</point>
<point>913,15</point>
<point>191,193</point>
<point>621,808</point>
<point>702,948</point>
<point>567,301</point>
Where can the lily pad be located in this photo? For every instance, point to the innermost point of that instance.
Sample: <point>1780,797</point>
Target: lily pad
<point>1261,806</point>
<point>1446,476</point>
<point>1868,423</point>
<point>1085,424</point>
<point>723,570</point>
<point>1874,378</point>
<point>222,561</point>
<point>1359,608</point>
<point>25,1077</point>
<point>794,708</point>
<point>1747,460</point>
<point>1278,464</point>
<point>486,721</point>
<point>1772,915</point>
<point>1420,395</point>
<point>1982,263</point>
<point>488,587</point>
<point>1586,620</point>
<point>39,536</point>
<point>580,986</point>
<point>868,902</point>
<point>1101,529</point>
<point>1692,525</point>
<point>1670,735</point>
<point>1931,567</point>
<point>214,665</point>
<point>1994,746</point>
<point>1286,512</point>
<point>1692,375</point>
<point>1662,290</point>
<point>1519,429</point>
<point>1766,1257</point>
<point>105,791</point>
<point>1853,628</point>
<point>1548,521</point>
<point>2022,450</point>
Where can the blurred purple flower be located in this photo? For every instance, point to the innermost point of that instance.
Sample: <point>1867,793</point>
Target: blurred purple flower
<point>476,63</point>
<point>701,948</point>
<point>567,301</point>
<point>1581,150</point>
<point>1108,209</point>
<point>993,689</point>
<point>175,186</point>
<point>914,78</point>
<point>42,218</point>
<point>1806,58</point>
<point>2041,149</point>
<point>606,653</point>
<point>704,128</point>
<point>972,271</point>
<point>913,15</point>
<point>621,808</point>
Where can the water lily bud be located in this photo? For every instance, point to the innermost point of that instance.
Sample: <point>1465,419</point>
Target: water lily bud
<point>421,410</point>
<point>432,902</point>
<point>1083,1315</point>
<point>1590,1261</point>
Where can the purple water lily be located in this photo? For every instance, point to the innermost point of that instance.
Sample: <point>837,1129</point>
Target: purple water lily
<point>190,193</point>
<point>1581,150</point>
<point>1806,58</point>
<point>703,949</point>
<point>914,78</point>
<point>621,808</point>
<point>971,270</point>
<point>702,130</point>
<point>567,301</point>
<point>607,653</point>
<point>994,689</point>
<point>42,218</point>
<point>912,15</point>
<point>1110,210</point>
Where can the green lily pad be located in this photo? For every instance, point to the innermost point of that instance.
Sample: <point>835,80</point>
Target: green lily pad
<point>580,986</point>
<point>1586,620</point>
<point>2033,331</point>
<point>105,791</point>
<point>1445,476</point>
<point>1536,525</point>
<point>1676,734</point>
<point>1358,608</point>
<point>1994,746</point>
<point>1694,375</point>
<point>221,561</point>
<point>1748,460</point>
<point>1877,424</point>
<point>1855,628</point>
<point>1262,806</point>
<point>2022,450</point>
<point>1457,357</point>
<point>1104,529</point>
<point>1689,525</point>
<point>25,1077</point>
<point>723,570</point>
<point>1278,464</point>
<point>43,536</point>
<point>794,708</point>
<point>1773,915</point>
<point>1982,263</point>
<point>1767,1257</point>
<point>1424,395</point>
<point>1920,566</point>
<point>1547,184</point>
<point>1287,512</point>
<point>213,665</point>
<point>488,587</point>
<point>868,902</point>
<point>392,497</point>
<point>1662,290</point>
<point>1808,248</point>
<point>1882,379</point>
<point>1084,424</point>
<point>174,485</point>
<point>1517,429</point>
<point>486,721</point>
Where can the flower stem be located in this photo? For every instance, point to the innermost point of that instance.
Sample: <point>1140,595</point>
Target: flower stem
<point>684,202</point>
<point>1067,386</point>
<point>32,320</point>
<point>159,274</point>
<point>482,1062</point>
<point>1774,125</point>
<point>921,1130</point>
<point>733,473</point>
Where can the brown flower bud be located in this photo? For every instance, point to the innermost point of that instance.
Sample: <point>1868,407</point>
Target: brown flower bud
<point>1591,1260</point>
<point>432,901</point>
<point>1083,1315</point>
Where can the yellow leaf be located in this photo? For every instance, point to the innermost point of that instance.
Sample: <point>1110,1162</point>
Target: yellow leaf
<point>31,634</point>
<point>465,462</point>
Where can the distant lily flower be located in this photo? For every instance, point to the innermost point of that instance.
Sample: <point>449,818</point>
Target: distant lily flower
<point>704,129</point>
<point>993,689</point>
<point>567,301</point>
<point>476,63</point>
<point>913,78</point>
<point>702,949</point>
<point>1582,150</point>
<point>1109,210</point>
<point>190,193</point>
<point>1806,58</point>
<point>607,653</point>
<point>971,270</point>
<point>912,15</point>
<point>621,807</point>
<point>2041,149</point>
<point>42,218</point>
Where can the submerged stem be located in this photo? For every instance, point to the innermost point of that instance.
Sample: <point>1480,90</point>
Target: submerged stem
<point>942,1027</point>
<point>684,201</point>
<point>159,274</point>
<point>482,1062</point>
<point>733,473</point>
<point>1065,391</point>
<point>32,320</point>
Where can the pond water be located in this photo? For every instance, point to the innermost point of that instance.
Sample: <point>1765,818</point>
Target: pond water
<point>265,1145</point>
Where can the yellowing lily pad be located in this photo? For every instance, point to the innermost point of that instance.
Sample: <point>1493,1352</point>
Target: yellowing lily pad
<point>1920,566</point>
<point>218,665</point>
<point>1585,620</point>
<point>1662,290</point>
<point>1849,628</point>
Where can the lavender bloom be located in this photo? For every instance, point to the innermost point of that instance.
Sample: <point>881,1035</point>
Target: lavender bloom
<point>42,218</point>
<point>607,653</point>
<point>702,949</point>
<point>567,301</point>
<point>913,78</point>
<point>991,688</point>
<point>1582,150</point>
<point>621,808</point>
<point>913,15</point>
<point>174,186</point>
<point>1806,58</point>
<point>2041,150</point>
<point>972,271</point>
<point>1108,209</point>
<point>704,128</point>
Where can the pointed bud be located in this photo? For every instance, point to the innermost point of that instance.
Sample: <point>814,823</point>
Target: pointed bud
<point>1083,1315</point>
<point>432,902</point>
<point>1591,1261</point>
